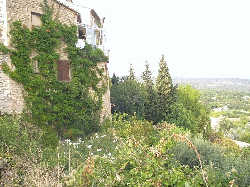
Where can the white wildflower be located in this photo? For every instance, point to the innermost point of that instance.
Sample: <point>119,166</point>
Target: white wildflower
<point>67,141</point>
<point>103,136</point>
<point>98,150</point>
<point>75,145</point>
<point>89,146</point>
<point>104,156</point>
<point>118,177</point>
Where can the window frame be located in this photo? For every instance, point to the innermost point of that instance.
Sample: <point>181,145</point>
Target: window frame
<point>31,20</point>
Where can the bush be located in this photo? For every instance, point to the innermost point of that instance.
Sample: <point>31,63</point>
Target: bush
<point>128,96</point>
<point>189,112</point>
<point>140,158</point>
<point>221,166</point>
<point>27,160</point>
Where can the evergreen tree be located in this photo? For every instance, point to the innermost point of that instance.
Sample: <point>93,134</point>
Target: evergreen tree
<point>147,77</point>
<point>150,101</point>
<point>166,92</point>
<point>131,73</point>
<point>115,80</point>
<point>164,81</point>
<point>128,96</point>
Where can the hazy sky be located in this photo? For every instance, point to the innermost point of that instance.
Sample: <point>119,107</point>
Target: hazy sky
<point>200,38</point>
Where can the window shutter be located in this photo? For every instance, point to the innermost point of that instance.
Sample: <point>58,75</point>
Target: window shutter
<point>63,70</point>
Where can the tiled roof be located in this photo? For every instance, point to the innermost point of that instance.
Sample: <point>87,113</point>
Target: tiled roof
<point>69,5</point>
<point>85,12</point>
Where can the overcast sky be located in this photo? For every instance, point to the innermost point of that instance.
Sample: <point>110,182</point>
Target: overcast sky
<point>200,38</point>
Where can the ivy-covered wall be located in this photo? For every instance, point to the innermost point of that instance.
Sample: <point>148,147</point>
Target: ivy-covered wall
<point>11,98</point>
<point>68,108</point>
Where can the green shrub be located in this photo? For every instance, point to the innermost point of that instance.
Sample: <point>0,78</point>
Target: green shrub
<point>245,135</point>
<point>209,153</point>
<point>189,112</point>
<point>221,164</point>
<point>128,96</point>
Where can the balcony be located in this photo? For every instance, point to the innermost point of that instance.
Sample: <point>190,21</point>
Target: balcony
<point>94,36</point>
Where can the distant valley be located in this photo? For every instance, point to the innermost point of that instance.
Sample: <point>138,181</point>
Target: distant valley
<point>227,84</point>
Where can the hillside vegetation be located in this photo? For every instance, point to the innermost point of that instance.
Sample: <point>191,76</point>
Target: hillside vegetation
<point>125,152</point>
<point>159,134</point>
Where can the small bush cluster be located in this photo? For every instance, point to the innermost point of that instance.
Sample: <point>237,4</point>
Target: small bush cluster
<point>223,165</point>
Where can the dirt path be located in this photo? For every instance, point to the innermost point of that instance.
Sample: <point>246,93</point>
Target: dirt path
<point>215,125</point>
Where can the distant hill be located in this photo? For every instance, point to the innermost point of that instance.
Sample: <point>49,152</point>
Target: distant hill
<point>234,84</point>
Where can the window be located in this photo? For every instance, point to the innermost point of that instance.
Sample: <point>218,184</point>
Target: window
<point>79,19</point>
<point>35,67</point>
<point>63,70</point>
<point>98,37</point>
<point>82,33</point>
<point>36,19</point>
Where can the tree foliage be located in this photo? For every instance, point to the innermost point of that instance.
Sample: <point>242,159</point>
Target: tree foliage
<point>189,112</point>
<point>147,100</point>
<point>165,91</point>
<point>131,72</point>
<point>147,77</point>
<point>128,96</point>
<point>150,100</point>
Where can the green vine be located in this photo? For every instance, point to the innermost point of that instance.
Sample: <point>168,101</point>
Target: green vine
<point>67,108</point>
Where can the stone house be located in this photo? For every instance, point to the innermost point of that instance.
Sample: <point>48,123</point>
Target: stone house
<point>90,30</point>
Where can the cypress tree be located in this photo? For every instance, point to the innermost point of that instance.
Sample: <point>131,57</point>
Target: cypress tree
<point>131,73</point>
<point>164,81</point>
<point>166,92</point>
<point>150,93</point>
<point>115,80</point>
<point>147,77</point>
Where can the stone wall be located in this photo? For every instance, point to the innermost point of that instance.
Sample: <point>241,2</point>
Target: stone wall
<point>21,10</point>
<point>11,98</point>
<point>106,106</point>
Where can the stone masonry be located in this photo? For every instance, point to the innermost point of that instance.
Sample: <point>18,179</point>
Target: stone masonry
<point>106,107</point>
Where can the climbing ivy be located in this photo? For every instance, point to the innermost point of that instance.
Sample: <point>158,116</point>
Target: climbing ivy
<point>68,108</point>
